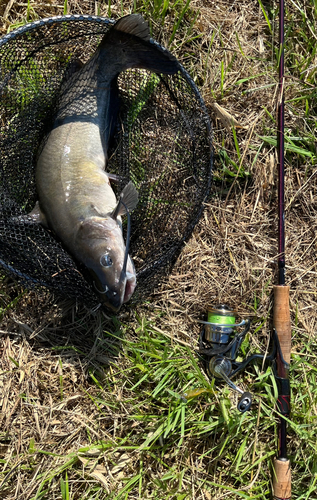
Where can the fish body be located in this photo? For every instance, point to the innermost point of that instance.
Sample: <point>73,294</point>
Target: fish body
<point>76,199</point>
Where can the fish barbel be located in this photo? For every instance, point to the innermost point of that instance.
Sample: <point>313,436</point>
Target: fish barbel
<point>76,200</point>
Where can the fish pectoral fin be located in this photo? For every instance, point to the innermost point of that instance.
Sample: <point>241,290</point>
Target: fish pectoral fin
<point>37,215</point>
<point>128,201</point>
<point>114,178</point>
<point>130,196</point>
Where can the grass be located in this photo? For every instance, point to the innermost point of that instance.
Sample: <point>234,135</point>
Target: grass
<point>94,407</point>
<point>145,441</point>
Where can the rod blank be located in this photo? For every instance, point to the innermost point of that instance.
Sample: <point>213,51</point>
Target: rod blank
<point>281,313</point>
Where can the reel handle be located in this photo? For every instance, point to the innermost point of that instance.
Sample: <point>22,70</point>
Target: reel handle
<point>221,367</point>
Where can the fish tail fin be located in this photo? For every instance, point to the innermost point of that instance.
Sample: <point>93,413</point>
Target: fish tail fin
<point>134,24</point>
<point>131,37</point>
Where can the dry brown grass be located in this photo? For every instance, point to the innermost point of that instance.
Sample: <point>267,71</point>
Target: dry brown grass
<point>230,258</point>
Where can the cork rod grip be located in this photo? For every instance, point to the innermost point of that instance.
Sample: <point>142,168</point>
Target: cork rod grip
<point>282,480</point>
<point>282,324</point>
<point>282,320</point>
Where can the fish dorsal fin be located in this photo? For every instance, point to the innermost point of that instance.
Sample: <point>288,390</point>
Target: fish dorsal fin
<point>134,24</point>
<point>128,199</point>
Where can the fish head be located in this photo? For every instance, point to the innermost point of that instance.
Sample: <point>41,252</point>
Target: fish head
<point>101,248</point>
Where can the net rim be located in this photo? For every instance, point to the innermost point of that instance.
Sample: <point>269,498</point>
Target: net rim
<point>51,20</point>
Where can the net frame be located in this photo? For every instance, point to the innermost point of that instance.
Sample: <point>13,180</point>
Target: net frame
<point>66,277</point>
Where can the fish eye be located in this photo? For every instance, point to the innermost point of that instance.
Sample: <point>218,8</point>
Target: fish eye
<point>105,260</point>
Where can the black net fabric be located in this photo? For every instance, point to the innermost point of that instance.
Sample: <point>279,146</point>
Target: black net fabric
<point>162,143</point>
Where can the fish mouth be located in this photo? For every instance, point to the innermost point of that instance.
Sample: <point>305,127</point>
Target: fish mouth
<point>129,286</point>
<point>109,298</point>
<point>113,307</point>
<point>112,299</point>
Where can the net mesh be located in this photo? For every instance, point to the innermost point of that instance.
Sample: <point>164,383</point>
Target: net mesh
<point>162,143</point>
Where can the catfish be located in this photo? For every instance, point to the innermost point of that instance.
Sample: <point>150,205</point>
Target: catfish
<point>76,200</point>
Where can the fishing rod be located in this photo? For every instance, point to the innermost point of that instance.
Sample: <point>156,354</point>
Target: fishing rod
<point>221,337</point>
<point>281,312</point>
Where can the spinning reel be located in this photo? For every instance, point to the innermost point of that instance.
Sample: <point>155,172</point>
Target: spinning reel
<point>219,343</point>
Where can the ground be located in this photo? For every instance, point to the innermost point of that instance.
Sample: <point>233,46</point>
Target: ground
<point>91,405</point>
